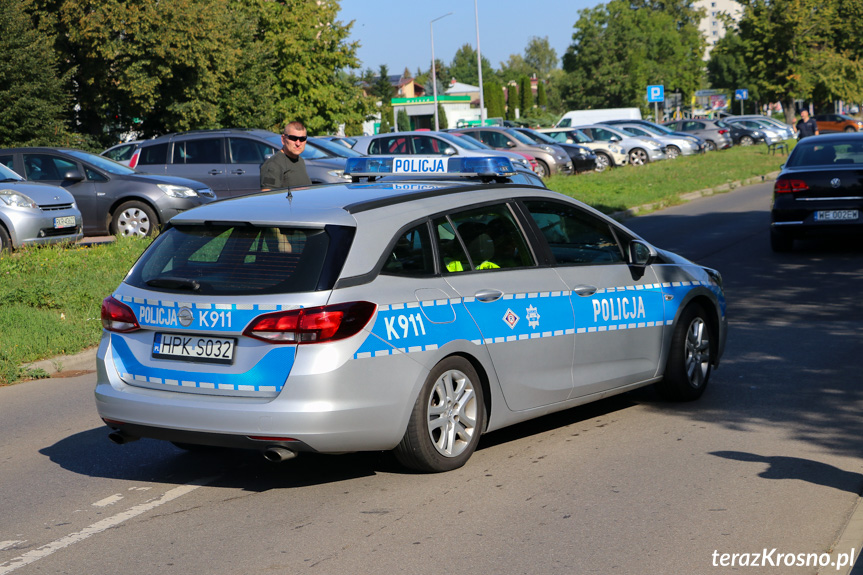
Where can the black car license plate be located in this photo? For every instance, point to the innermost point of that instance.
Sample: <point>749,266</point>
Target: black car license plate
<point>194,348</point>
<point>835,215</point>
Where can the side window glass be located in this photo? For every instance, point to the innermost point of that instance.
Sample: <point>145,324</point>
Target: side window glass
<point>600,134</point>
<point>574,236</point>
<point>398,145</point>
<point>44,167</point>
<point>491,237</point>
<point>94,176</point>
<point>153,155</point>
<point>412,254</point>
<point>205,151</point>
<point>8,161</point>
<point>245,151</point>
<point>425,146</point>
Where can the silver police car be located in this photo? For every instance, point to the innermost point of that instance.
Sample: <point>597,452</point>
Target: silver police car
<point>410,313</point>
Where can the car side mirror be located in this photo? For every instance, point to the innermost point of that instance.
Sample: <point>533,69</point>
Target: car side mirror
<point>73,176</point>
<point>510,144</point>
<point>614,139</point>
<point>449,151</point>
<point>641,254</point>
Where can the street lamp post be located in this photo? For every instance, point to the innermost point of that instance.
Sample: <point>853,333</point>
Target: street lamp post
<point>434,72</point>
<point>479,67</point>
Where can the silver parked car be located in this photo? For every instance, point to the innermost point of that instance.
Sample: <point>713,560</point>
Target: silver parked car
<point>718,137</point>
<point>113,199</point>
<point>672,145</point>
<point>551,159</point>
<point>608,154</point>
<point>411,314</point>
<point>34,214</point>
<point>639,150</point>
<point>774,132</point>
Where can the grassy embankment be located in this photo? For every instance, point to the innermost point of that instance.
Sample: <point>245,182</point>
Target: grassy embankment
<point>50,297</point>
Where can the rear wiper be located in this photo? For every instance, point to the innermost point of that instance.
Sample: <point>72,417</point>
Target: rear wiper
<point>174,283</point>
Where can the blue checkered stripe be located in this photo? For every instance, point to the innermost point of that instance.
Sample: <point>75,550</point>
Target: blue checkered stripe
<point>405,328</point>
<point>222,317</point>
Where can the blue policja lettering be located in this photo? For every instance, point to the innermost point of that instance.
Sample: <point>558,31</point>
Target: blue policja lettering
<point>419,165</point>
<point>157,315</point>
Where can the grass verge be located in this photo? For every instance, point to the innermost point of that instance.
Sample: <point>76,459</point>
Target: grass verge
<point>50,297</point>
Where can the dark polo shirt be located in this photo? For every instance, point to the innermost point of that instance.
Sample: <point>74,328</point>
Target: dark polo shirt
<point>280,171</point>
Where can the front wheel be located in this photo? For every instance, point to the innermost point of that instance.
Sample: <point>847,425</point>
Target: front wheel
<point>746,141</point>
<point>447,419</point>
<point>638,157</point>
<point>603,162</point>
<point>672,152</point>
<point>5,241</point>
<point>542,169</point>
<point>134,219</point>
<point>688,369</point>
<point>850,129</point>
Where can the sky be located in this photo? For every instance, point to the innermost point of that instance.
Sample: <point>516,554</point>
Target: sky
<point>396,32</point>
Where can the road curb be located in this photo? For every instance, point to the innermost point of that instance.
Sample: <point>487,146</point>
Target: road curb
<point>72,364</point>
<point>850,539</point>
<point>688,197</point>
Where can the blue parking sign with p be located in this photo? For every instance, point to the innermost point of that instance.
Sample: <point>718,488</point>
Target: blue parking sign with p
<point>656,93</point>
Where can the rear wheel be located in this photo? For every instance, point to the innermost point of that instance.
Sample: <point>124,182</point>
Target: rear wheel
<point>688,369</point>
<point>5,241</point>
<point>134,219</point>
<point>850,129</point>
<point>638,157</point>
<point>447,419</point>
<point>603,162</point>
<point>711,146</point>
<point>780,241</point>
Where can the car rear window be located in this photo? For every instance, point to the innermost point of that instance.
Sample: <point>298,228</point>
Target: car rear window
<point>241,260</point>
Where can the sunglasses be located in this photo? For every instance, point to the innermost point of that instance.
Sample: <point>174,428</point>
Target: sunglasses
<point>294,138</point>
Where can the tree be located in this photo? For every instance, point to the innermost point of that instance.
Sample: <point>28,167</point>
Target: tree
<point>621,47</point>
<point>541,98</point>
<point>794,51</point>
<point>386,114</point>
<point>525,99</point>
<point>511,101</point>
<point>382,89</point>
<point>403,122</point>
<point>492,95</point>
<point>464,69</point>
<point>443,123</point>
<point>540,57</point>
<point>513,69</point>
<point>32,96</point>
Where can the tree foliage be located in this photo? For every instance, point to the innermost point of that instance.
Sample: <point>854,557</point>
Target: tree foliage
<point>492,94</point>
<point>621,47</point>
<point>540,57</point>
<point>464,68</point>
<point>33,100</point>
<point>525,94</point>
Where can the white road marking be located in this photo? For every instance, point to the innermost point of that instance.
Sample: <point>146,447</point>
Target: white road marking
<point>98,527</point>
<point>4,545</point>
<point>108,501</point>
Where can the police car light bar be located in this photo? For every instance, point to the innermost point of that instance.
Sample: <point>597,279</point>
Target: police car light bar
<point>429,166</point>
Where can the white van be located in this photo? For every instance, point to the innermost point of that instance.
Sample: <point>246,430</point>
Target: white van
<point>582,117</point>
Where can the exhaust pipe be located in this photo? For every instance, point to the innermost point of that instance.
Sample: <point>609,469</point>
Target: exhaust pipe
<point>278,454</point>
<point>121,437</point>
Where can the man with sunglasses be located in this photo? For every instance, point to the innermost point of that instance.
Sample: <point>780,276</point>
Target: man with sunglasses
<point>285,168</point>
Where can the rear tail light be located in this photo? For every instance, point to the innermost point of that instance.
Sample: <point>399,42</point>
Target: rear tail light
<point>312,325</point>
<point>786,185</point>
<point>117,316</point>
<point>723,131</point>
<point>134,160</point>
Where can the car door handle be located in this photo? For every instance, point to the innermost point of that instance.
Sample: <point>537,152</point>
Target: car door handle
<point>488,295</point>
<point>238,172</point>
<point>214,172</point>
<point>584,290</point>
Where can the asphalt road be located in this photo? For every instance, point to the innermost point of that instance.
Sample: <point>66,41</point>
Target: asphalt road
<point>769,459</point>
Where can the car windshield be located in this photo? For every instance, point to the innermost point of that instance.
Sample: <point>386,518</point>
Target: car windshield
<point>6,174</point>
<point>520,137</point>
<point>471,143</point>
<point>580,137</point>
<point>101,162</point>
<point>539,137</point>
<point>627,131</point>
<point>655,129</point>
<point>337,150</point>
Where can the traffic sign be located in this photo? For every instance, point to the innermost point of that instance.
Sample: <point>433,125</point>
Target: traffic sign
<point>656,93</point>
<point>741,94</point>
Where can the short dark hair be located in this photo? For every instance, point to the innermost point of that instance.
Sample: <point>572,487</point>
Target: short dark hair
<point>296,124</point>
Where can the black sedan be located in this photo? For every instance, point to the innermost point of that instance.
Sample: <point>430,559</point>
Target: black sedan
<point>583,158</point>
<point>819,191</point>
<point>113,198</point>
<point>743,135</point>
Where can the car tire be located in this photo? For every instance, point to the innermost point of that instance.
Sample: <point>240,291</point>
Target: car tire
<point>134,219</point>
<point>672,152</point>
<point>746,141</point>
<point>780,242</point>
<point>638,157</point>
<point>603,162</point>
<point>850,129</point>
<point>447,419</point>
<point>5,241</point>
<point>711,146</point>
<point>688,366</point>
<point>542,169</point>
